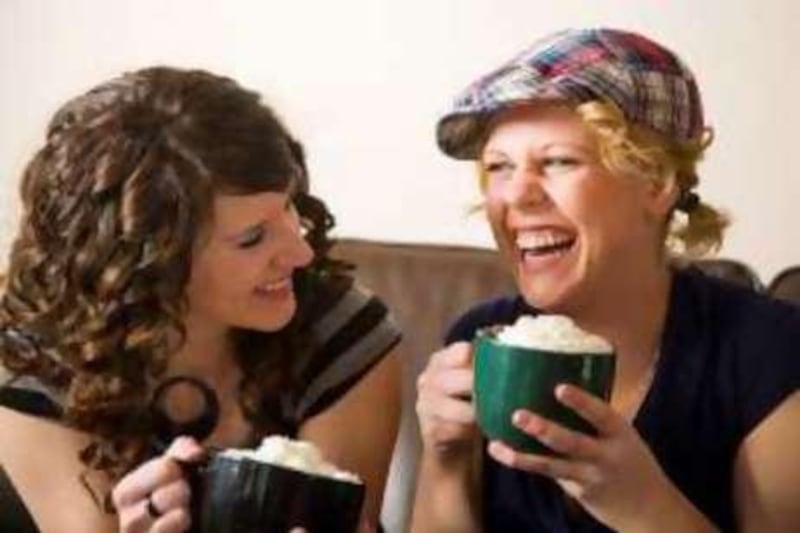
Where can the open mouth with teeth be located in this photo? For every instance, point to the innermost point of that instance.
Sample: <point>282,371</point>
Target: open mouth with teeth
<point>543,243</point>
<point>275,288</point>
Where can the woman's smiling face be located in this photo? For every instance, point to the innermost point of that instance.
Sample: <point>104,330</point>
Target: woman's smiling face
<point>242,270</point>
<point>564,222</point>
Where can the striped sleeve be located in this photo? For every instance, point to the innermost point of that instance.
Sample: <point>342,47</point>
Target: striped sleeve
<point>28,395</point>
<point>353,335</point>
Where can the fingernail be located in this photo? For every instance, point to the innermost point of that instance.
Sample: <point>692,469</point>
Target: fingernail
<point>520,418</point>
<point>528,422</point>
<point>494,448</point>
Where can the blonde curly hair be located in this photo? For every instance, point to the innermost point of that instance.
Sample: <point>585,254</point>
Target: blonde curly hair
<point>692,230</point>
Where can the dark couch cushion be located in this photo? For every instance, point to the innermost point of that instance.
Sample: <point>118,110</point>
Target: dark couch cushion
<point>786,285</point>
<point>731,270</point>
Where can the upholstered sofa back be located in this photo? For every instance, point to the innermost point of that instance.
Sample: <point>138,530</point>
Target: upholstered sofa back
<point>427,287</point>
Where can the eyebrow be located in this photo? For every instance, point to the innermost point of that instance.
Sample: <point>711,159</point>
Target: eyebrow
<point>500,153</point>
<point>238,235</point>
<point>290,192</point>
<point>492,152</point>
<point>575,146</point>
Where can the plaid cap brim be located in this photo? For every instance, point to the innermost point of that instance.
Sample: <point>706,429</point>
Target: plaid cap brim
<point>462,134</point>
<point>647,82</point>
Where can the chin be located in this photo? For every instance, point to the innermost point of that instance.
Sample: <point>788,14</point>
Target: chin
<point>273,320</point>
<point>546,301</point>
<point>552,296</point>
<point>554,284</point>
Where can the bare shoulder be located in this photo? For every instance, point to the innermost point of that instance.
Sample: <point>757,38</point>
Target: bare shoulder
<point>767,472</point>
<point>359,430</point>
<point>376,393</point>
<point>374,402</point>
<point>40,458</point>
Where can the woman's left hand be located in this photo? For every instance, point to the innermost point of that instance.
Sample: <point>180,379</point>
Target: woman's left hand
<point>614,475</point>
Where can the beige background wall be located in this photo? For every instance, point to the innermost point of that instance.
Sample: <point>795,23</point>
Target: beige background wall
<point>361,81</point>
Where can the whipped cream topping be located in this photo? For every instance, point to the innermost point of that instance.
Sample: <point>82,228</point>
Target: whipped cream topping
<point>294,454</point>
<point>554,333</point>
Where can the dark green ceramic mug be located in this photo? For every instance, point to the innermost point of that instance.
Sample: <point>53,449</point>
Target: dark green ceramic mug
<point>508,378</point>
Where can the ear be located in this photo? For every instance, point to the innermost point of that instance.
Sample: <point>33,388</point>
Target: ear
<point>662,196</point>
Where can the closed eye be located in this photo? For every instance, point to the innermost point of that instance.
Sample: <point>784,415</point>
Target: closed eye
<point>497,169</point>
<point>557,165</point>
<point>252,237</point>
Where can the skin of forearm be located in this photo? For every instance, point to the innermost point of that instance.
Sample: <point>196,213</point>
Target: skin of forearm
<point>673,513</point>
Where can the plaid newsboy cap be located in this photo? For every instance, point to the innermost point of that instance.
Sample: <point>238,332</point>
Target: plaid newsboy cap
<point>647,82</point>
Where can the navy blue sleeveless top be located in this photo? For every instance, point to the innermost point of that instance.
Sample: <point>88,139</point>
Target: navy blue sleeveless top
<point>729,356</point>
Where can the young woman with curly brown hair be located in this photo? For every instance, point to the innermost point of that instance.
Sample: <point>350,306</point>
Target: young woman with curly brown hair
<point>170,277</point>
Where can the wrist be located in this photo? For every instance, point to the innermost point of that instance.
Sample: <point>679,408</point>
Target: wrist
<point>453,461</point>
<point>446,489</point>
<point>674,512</point>
<point>450,454</point>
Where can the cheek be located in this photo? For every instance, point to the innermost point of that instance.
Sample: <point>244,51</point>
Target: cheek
<point>494,204</point>
<point>495,213</point>
<point>220,277</point>
<point>613,217</point>
<point>204,291</point>
<point>496,216</point>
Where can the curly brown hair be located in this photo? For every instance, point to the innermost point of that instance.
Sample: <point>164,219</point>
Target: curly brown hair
<point>113,204</point>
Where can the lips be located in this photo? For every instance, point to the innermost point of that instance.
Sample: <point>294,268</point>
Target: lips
<point>544,241</point>
<point>274,287</point>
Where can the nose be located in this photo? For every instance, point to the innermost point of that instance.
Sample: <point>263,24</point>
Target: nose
<point>525,189</point>
<point>295,252</point>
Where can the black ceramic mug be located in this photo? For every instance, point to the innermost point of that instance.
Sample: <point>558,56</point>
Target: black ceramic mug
<point>240,495</point>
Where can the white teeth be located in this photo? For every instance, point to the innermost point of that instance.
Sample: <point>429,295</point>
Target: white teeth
<point>542,238</point>
<point>275,286</point>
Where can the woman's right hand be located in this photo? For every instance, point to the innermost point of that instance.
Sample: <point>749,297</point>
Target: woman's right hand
<point>444,390</point>
<point>155,496</point>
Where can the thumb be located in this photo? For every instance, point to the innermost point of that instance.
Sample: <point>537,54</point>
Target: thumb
<point>185,449</point>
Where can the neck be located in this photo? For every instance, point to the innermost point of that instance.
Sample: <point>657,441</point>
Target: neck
<point>630,312</point>
<point>206,353</point>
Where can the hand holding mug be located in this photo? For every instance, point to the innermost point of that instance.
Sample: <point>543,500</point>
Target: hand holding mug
<point>444,389</point>
<point>613,475</point>
<point>155,496</point>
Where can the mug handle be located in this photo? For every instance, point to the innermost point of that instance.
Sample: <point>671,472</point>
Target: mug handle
<point>194,473</point>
